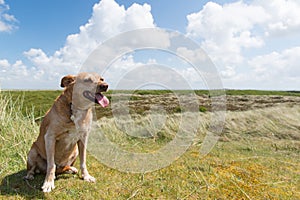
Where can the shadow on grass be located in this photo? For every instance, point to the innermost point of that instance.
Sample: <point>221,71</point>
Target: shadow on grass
<point>13,185</point>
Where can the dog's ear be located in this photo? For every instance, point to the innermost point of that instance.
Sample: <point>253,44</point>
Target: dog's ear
<point>67,80</point>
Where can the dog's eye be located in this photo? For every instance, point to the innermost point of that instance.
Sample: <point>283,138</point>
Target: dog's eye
<point>88,80</point>
<point>101,79</point>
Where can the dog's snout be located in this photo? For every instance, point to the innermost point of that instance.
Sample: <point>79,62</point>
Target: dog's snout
<point>103,87</point>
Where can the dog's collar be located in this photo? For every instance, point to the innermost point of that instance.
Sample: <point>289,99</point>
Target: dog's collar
<point>72,109</point>
<point>71,112</point>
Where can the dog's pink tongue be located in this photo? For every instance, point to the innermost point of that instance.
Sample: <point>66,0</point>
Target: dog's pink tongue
<point>102,100</point>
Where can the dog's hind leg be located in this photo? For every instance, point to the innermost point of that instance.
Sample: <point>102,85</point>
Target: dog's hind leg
<point>68,168</point>
<point>35,163</point>
<point>31,164</point>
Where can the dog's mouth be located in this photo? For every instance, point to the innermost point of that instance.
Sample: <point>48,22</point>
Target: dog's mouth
<point>97,97</point>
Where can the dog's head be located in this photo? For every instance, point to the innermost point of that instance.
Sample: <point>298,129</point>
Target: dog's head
<point>87,89</point>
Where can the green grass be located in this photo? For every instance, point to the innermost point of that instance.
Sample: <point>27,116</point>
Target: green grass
<point>262,92</point>
<point>36,102</point>
<point>257,157</point>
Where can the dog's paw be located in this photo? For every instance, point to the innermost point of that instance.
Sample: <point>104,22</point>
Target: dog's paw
<point>89,178</point>
<point>48,186</point>
<point>72,170</point>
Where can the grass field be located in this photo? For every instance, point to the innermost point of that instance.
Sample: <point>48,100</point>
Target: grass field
<point>257,156</point>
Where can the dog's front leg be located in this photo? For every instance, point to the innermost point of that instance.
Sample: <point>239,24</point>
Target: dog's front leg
<point>82,155</point>
<point>50,151</point>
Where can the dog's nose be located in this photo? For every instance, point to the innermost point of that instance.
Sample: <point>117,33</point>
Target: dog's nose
<point>103,87</point>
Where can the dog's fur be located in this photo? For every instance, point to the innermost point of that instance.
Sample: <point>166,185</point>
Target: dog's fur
<point>64,131</point>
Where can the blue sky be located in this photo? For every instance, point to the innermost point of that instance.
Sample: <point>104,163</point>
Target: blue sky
<point>43,24</point>
<point>253,44</point>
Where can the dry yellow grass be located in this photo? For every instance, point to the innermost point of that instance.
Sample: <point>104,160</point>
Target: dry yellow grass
<point>257,156</point>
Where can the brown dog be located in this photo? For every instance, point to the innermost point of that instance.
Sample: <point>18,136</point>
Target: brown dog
<point>64,129</point>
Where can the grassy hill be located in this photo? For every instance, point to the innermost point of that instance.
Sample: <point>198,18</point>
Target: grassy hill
<point>38,102</point>
<point>257,156</point>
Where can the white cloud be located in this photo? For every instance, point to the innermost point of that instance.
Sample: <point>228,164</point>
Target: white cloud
<point>229,72</point>
<point>276,70</point>
<point>278,64</point>
<point>227,29</point>
<point>242,24</point>
<point>229,32</point>
<point>7,21</point>
<point>12,71</point>
<point>194,56</point>
<point>108,19</point>
<point>4,63</point>
<point>285,16</point>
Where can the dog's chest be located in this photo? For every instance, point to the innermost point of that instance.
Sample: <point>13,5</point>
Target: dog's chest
<point>78,131</point>
<point>71,137</point>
